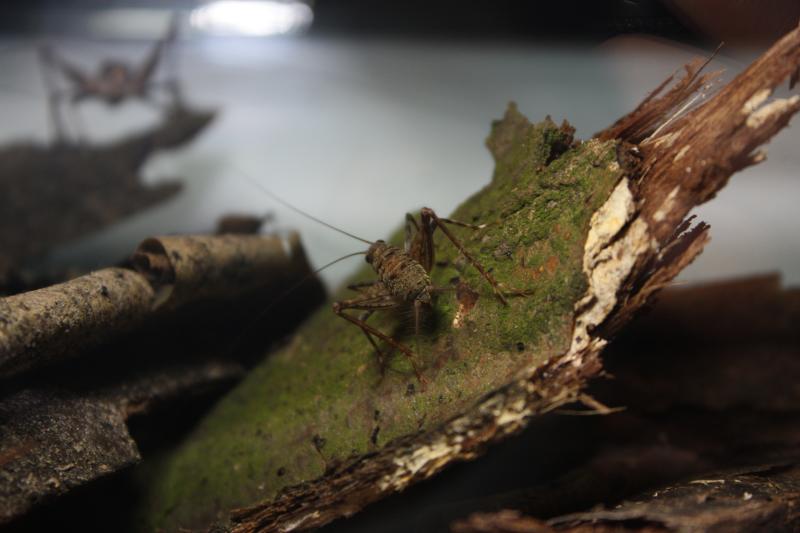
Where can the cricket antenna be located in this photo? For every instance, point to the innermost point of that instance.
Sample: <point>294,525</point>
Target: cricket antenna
<point>298,210</point>
<point>257,319</point>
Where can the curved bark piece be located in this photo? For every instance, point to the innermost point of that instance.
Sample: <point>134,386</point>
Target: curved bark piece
<point>186,268</point>
<point>318,432</point>
<point>55,322</point>
<point>759,498</point>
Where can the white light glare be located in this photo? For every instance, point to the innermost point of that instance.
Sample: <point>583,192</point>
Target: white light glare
<point>251,17</point>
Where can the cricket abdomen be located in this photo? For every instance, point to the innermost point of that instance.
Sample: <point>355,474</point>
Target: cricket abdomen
<point>404,276</point>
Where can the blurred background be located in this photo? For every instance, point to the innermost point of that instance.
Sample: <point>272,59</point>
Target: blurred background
<point>359,111</point>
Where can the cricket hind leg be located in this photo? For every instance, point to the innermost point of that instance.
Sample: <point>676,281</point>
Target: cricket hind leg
<point>419,241</point>
<point>427,214</point>
<point>382,358</point>
<point>371,304</point>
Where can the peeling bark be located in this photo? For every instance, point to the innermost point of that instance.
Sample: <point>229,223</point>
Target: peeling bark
<point>759,498</point>
<point>82,357</point>
<point>634,242</point>
<point>56,322</point>
<point>51,323</point>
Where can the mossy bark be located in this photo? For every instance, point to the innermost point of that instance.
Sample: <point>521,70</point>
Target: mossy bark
<point>325,398</point>
<point>590,230</point>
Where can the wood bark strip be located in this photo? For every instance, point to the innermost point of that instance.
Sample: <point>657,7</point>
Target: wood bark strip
<point>637,242</point>
<point>57,437</point>
<point>65,425</point>
<point>185,268</point>
<point>41,326</point>
<point>54,323</point>
<point>758,498</point>
<point>632,235</point>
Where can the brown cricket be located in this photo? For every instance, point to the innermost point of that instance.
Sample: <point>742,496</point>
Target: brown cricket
<point>114,82</point>
<point>404,278</point>
<point>403,274</point>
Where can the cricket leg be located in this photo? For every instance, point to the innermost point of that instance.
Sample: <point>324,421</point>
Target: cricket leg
<point>54,104</point>
<point>411,228</point>
<point>419,241</point>
<point>363,285</point>
<point>79,125</point>
<point>429,214</point>
<point>381,356</point>
<point>417,318</point>
<point>373,304</point>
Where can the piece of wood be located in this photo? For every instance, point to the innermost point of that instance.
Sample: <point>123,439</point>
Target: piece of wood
<point>55,322</point>
<point>80,358</point>
<point>594,229</point>
<point>60,321</point>
<point>758,498</point>
<point>186,268</point>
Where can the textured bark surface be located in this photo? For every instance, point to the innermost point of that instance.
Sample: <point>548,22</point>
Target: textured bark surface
<point>310,436</point>
<point>52,194</point>
<point>47,324</point>
<point>56,322</point>
<point>187,268</point>
<point>566,464</point>
<point>715,399</point>
<point>84,356</point>
<point>758,498</point>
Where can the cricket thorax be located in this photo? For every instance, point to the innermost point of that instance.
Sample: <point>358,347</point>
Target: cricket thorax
<point>405,277</point>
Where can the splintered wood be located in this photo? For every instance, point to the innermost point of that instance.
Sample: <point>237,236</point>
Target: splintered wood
<point>673,153</point>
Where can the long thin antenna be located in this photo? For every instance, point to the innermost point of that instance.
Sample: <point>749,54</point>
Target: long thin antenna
<point>257,319</point>
<point>305,278</point>
<point>295,209</point>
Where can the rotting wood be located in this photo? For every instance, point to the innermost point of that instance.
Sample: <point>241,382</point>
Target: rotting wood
<point>64,424</point>
<point>57,437</point>
<point>718,391</point>
<point>759,498</point>
<point>51,323</point>
<point>638,241</point>
<point>56,322</point>
<point>185,268</point>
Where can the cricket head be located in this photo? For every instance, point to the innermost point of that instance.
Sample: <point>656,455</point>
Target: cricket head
<point>374,249</point>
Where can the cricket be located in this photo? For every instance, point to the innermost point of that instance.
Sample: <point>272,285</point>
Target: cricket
<point>402,276</point>
<point>114,82</point>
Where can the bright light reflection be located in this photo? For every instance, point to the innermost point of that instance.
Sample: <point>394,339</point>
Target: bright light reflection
<point>251,17</point>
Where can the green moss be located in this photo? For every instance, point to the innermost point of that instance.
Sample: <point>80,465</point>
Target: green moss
<point>319,401</point>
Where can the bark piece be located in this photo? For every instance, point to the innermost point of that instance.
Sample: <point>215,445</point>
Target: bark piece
<point>50,195</point>
<point>57,437</point>
<point>185,268</point>
<point>241,223</point>
<point>56,322</point>
<point>51,323</point>
<point>64,425</point>
<point>758,498</point>
<point>592,251</point>
<point>693,404</point>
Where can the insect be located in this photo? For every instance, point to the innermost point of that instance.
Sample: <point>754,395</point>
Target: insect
<point>403,276</point>
<point>114,82</point>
